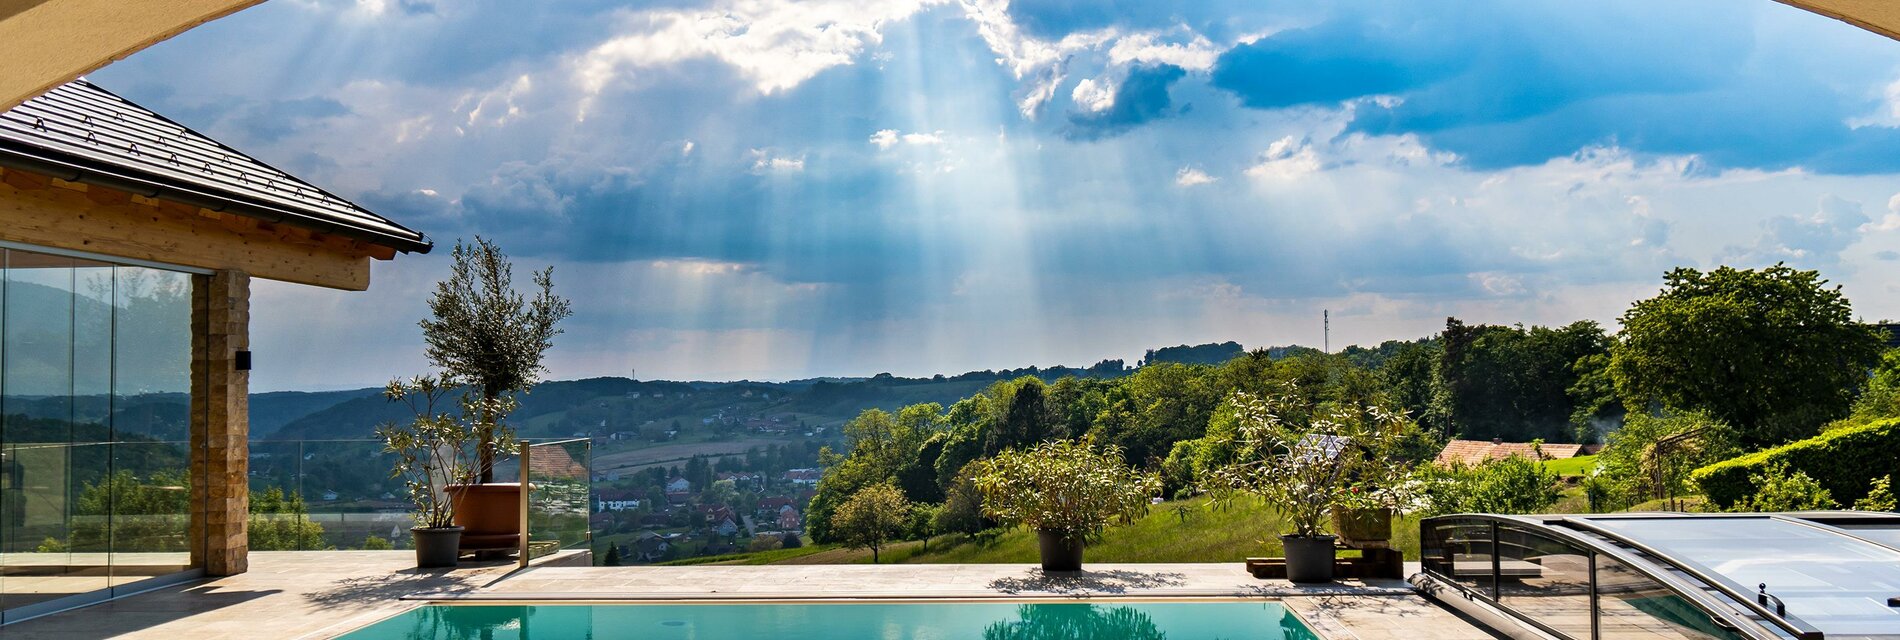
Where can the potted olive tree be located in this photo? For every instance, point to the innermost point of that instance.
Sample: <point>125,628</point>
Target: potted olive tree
<point>490,338</point>
<point>1303,461</point>
<point>435,456</point>
<point>1067,491</point>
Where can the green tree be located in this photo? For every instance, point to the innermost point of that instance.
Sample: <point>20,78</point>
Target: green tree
<point>280,522</point>
<point>1511,382</point>
<point>1879,497</point>
<point>962,510</point>
<point>1881,398</point>
<point>1779,489</point>
<point>872,517</point>
<point>485,334</point>
<point>1652,456</point>
<point>1774,352</point>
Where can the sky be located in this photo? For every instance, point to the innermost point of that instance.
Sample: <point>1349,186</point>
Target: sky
<point>778,189</point>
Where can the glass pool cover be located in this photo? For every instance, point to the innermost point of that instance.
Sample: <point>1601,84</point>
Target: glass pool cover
<point>920,621</point>
<point>1835,582</point>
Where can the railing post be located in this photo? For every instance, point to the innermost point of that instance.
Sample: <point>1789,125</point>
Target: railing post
<point>526,450</point>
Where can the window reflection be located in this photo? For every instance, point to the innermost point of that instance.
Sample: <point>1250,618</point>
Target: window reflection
<point>1547,580</point>
<point>1631,605</point>
<point>94,411</point>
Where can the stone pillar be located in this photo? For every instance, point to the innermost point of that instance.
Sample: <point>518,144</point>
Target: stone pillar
<point>220,422</point>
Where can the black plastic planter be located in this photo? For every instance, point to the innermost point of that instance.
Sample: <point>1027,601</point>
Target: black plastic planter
<point>437,547</point>
<point>1309,558</point>
<point>1061,551</point>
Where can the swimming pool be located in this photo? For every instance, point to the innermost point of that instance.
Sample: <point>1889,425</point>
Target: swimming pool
<point>1231,620</point>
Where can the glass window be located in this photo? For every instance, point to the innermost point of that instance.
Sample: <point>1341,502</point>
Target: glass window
<point>152,405</point>
<point>1631,605</point>
<point>1545,580</point>
<point>1459,549</point>
<point>94,411</point>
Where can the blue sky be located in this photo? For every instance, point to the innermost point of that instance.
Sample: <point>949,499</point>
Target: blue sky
<point>774,189</point>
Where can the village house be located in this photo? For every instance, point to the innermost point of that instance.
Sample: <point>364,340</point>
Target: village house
<point>616,500</point>
<point>1476,452</point>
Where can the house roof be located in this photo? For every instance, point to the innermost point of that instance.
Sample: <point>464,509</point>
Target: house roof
<point>1472,452</point>
<point>83,133</point>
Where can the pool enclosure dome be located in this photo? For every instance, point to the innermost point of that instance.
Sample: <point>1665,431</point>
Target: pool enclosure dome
<point>1811,575</point>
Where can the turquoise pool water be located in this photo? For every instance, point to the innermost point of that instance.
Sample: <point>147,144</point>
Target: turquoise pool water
<point>921,621</point>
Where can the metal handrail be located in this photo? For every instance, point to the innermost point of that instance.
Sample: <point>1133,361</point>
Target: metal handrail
<point>1791,624</point>
<point>1715,609</point>
<point>551,443</point>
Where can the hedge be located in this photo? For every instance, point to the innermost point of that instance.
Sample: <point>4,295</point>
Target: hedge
<point>1844,461</point>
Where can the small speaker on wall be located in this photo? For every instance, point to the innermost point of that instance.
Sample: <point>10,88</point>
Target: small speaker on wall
<point>243,361</point>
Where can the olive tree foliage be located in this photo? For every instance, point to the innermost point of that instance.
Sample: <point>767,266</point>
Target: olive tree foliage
<point>1774,352</point>
<point>435,452</point>
<point>872,517</point>
<point>1307,460</point>
<point>1064,486</point>
<point>485,334</point>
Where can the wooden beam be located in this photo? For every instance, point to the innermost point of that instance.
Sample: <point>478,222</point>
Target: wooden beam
<point>69,219</point>
<point>1878,16</point>
<point>48,42</point>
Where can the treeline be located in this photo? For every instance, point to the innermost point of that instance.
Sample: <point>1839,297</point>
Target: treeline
<point>1752,358</point>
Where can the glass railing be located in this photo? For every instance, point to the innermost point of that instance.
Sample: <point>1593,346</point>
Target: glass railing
<point>560,495</point>
<point>338,494</point>
<point>326,494</point>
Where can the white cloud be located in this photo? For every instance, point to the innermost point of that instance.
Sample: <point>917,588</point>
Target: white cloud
<point>1811,240</point>
<point>776,44</point>
<point>486,104</point>
<point>1197,54</point>
<point>1192,177</point>
<point>1093,96</point>
<point>686,148</point>
<point>1039,63</point>
<point>1286,158</point>
<point>1887,114</point>
<point>1889,222</point>
<point>887,138</point>
<point>764,161</point>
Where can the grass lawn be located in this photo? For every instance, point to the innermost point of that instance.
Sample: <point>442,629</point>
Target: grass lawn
<point>1195,532</point>
<point>1580,465</point>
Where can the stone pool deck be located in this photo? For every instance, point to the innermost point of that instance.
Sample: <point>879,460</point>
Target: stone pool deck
<point>321,594</point>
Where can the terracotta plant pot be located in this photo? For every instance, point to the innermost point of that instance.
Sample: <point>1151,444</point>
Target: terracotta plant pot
<point>1061,551</point>
<point>1364,527</point>
<point>491,513</point>
<point>1309,558</point>
<point>439,547</point>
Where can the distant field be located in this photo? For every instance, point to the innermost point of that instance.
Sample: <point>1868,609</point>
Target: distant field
<point>674,453</point>
<point>1197,533</point>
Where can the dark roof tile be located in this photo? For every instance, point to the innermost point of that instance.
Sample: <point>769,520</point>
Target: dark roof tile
<point>83,130</point>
